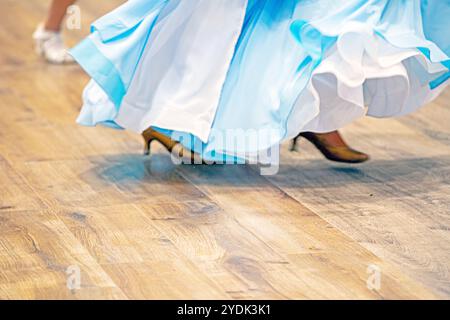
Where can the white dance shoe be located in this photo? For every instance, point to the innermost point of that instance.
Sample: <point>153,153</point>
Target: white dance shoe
<point>50,45</point>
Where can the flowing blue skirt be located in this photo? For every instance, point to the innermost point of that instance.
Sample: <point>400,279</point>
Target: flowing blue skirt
<point>261,71</point>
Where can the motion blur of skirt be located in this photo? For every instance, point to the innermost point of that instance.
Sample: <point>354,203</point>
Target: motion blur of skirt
<point>209,67</point>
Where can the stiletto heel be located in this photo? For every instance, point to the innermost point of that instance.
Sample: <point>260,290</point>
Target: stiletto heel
<point>173,147</point>
<point>151,135</point>
<point>294,143</point>
<point>148,139</point>
<point>338,153</point>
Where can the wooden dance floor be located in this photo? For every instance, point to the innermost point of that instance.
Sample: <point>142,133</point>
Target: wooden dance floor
<point>86,199</point>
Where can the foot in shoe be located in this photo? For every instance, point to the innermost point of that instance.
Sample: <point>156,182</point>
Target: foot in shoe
<point>333,147</point>
<point>49,44</point>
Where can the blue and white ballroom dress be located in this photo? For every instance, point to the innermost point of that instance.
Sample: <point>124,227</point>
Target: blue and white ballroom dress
<point>206,67</point>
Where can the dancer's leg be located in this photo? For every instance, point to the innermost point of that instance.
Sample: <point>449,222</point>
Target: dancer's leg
<point>56,14</point>
<point>47,37</point>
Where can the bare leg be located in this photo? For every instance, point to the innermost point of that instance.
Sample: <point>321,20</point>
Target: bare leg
<point>56,14</point>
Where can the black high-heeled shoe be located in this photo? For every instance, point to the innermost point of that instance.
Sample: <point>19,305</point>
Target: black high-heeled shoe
<point>332,152</point>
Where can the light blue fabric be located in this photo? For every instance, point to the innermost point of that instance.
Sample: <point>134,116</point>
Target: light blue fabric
<point>281,44</point>
<point>126,17</point>
<point>436,26</point>
<point>112,52</point>
<point>101,69</point>
<point>436,22</point>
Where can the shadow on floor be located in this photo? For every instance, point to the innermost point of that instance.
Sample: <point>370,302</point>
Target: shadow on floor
<point>131,168</point>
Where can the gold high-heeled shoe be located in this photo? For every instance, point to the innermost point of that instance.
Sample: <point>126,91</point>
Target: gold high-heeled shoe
<point>174,147</point>
<point>338,153</point>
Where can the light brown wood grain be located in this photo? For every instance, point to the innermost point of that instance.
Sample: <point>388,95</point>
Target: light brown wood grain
<point>15,193</point>
<point>397,205</point>
<point>142,261</point>
<point>36,250</point>
<point>264,209</point>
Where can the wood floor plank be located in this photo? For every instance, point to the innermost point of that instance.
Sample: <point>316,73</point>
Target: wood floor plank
<point>152,280</point>
<point>256,205</point>
<point>397,205</point>
<point>144,263</point>
<point>42,126</point>
<point>15,193</point>
<point>234,258</point>
<point>36,252</point>
<point>106,181</point>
